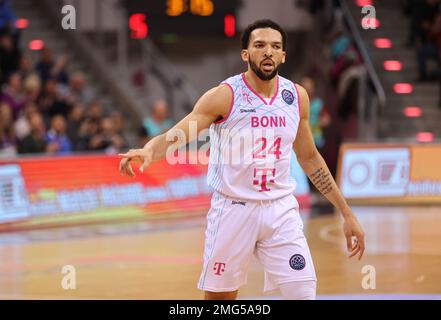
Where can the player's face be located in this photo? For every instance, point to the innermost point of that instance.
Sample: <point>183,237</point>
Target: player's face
<point>265,53</point>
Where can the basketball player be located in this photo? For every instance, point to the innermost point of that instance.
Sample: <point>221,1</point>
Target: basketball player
<point>253,210</point>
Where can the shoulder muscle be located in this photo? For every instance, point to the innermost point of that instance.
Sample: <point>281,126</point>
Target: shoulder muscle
<point>215,102</point>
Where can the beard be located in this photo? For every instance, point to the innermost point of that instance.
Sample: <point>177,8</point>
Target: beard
<point>262,75</point>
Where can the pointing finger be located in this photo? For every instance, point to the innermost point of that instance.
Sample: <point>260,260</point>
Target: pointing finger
<point>121,166</point>
<point>356,250</point>
<point>129,169</point>
<point>362,248</point>
<point>349,242</point>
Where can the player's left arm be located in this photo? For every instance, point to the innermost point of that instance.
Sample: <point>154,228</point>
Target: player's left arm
<point>316,169</point>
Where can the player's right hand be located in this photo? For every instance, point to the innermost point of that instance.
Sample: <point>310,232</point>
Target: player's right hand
<point>142,156</point>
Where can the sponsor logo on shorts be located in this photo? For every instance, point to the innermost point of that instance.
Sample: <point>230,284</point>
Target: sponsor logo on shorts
<point>297,262</point>
<point>219,267</point>
<point>238,202</point>
<point>287,96</point>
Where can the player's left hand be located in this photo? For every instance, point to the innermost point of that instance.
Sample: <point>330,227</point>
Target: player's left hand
<point>354,236</point>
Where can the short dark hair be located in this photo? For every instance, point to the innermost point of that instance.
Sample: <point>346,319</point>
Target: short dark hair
<point>265,23</point>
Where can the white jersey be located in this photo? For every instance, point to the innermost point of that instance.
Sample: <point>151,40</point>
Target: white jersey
<point>250,152</point>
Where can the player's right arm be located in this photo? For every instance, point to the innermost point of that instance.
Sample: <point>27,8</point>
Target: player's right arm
<point>212,106</point>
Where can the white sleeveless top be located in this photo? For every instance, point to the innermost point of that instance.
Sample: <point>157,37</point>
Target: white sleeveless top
<point>250,151</point>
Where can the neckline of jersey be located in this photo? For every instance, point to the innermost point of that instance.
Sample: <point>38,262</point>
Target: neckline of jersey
<point>257,94</point>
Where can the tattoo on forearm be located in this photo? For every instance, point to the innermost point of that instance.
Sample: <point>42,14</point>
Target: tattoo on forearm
<point>322,180</point>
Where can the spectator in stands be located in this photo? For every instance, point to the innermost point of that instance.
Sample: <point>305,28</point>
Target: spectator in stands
<point>75,123</point>
<point>7,136</point>
<point>408,7</point>
<point>22,125</point>
<point>430,47</point>
<point>88,123</point>
<point>51,102</point>
<point>319,118</point>
<point>88,129</point>
<point>78,91</point>
<point>344,55</point>
<point>7,17</point>
<point>25,66</point>
<point>35,141</point>
<point>118,121</point>
<point>50,68</point>
<point>424,13</point>
<point>56,138</point>
<point>95,111</point>
<point>346,74</point>
<point>45,64</point>
<point>32,88</point>
<point>159,121</point>
<point>59,70</point>
<point>108,138</point>
<point>12,94</point>
<point>9,56</point>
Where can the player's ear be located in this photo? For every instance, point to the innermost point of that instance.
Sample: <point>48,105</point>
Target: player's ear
<point>283,56</point>
<point>244,54</point>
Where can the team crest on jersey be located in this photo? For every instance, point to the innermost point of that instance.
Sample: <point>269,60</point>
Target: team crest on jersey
<point>297,262</point>
<point>287,96</point>
<point>247,98</point>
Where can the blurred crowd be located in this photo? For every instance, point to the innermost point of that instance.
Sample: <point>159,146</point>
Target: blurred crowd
<point>425,35</point>
<point>43,107</point>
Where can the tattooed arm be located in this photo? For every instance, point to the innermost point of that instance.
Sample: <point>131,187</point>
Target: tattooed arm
<point>315,167</point>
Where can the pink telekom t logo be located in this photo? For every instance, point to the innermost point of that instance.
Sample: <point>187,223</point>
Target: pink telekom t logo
<point>264,181</point>
<point>219,267</point>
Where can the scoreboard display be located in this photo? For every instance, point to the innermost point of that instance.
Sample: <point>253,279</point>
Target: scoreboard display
<point>153,18</point>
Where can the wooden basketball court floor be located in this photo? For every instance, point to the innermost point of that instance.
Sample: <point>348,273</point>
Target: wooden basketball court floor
<point>163,259</point>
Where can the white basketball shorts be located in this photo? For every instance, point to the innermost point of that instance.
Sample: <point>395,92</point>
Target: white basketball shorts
<point>237,229</point>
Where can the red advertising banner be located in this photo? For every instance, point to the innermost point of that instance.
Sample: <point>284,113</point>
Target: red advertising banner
<point>84,189</point>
